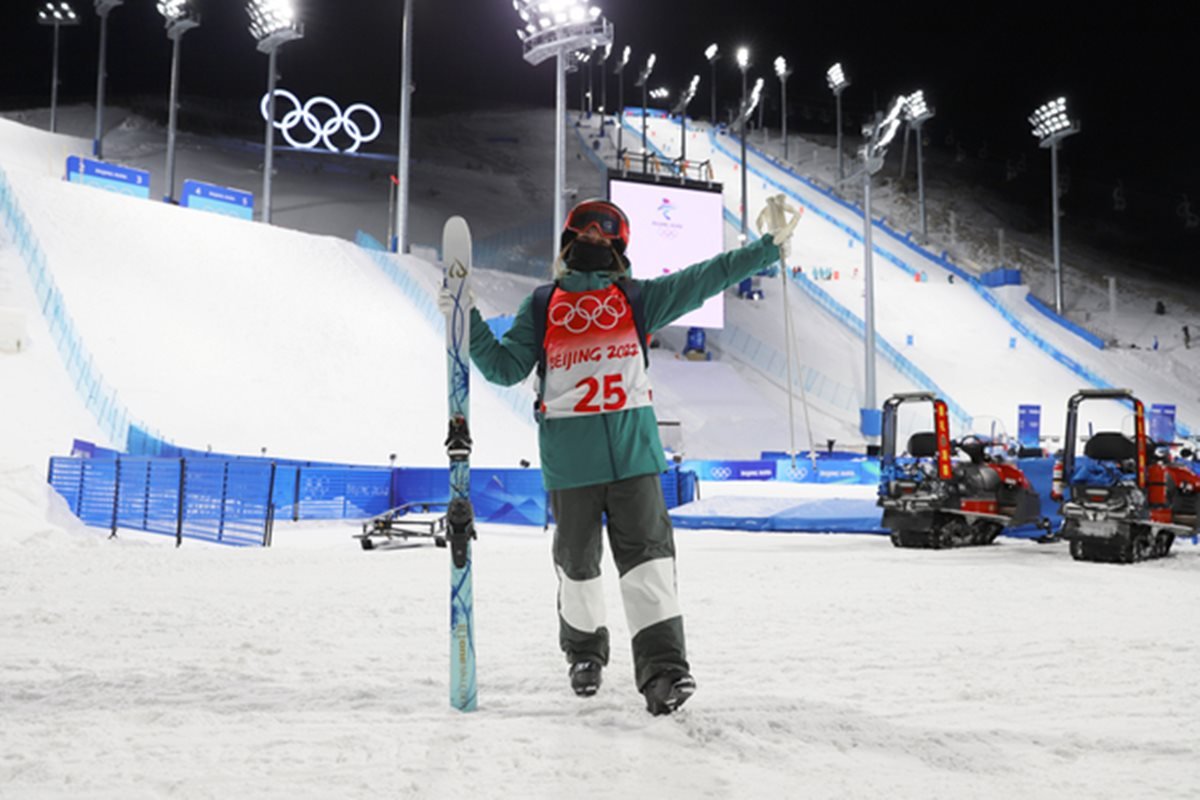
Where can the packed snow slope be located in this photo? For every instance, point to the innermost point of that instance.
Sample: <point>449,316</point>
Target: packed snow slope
<point>239,336</point>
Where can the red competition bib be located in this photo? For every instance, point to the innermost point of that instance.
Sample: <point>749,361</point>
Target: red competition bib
<point>594,361</point>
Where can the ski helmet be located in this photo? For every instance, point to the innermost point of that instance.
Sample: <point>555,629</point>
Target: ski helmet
<point>608,220</point>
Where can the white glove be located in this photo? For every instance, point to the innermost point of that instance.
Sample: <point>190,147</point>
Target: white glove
<point>778,218</point>
<point>445,301</point>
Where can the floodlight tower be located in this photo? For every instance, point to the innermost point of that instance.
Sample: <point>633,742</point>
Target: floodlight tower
<point>838,83</point>
<point>643,81</point>
<point>781,69</point>
<point>712,54</point>
<point>743,62</point>
<point>685,98</point>
<point>180,17</point>
<point>1051,125</point>
<point>604,87</point>
<point>620,72</point>
<point>555,30</point>
<point>916,112</point>
<point>103,7</point>
<point>747,288</point>
<point>273,24</point>
<point>402,166</point>
<point>56,15</point>
<point>879,136</point>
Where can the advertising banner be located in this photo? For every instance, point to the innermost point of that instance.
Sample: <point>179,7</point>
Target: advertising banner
<point>1029,425</point>
<point>1162,423</point>
<point>110,177</point>
<point>218,199</point>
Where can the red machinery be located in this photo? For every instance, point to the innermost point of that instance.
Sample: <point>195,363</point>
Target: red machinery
<point>1121,501</point>
<point>929,500</point>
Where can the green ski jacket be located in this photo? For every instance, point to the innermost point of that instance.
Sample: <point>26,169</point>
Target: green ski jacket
<point>601,448</point>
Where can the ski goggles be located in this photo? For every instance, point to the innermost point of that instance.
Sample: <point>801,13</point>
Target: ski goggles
<point>607,219</point>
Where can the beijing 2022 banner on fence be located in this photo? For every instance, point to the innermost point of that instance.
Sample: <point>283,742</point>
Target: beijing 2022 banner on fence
<point>672,226</point>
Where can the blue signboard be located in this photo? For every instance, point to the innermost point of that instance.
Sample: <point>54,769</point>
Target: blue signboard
<point>218,199</point>
<point>1029,425</point>
<point>732,470</point>
<point>862,470</point>
<point>1162,423</point>
<point>110,177</point>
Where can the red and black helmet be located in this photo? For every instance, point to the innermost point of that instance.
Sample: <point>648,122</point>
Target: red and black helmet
<point>608,220</point>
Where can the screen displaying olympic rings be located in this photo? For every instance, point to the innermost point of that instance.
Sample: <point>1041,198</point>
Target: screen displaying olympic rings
<point>322,131</point>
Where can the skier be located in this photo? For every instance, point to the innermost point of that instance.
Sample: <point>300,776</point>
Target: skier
<point>598,436</point>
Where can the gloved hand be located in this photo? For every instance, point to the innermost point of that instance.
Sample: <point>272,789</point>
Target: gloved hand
<point>445,301</point>
<point>779,219</point>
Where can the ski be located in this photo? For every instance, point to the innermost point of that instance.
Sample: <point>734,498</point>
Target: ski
<point>460,516</point>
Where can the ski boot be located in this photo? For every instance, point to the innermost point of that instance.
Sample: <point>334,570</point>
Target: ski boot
<point>667,691</point>
<point>585,677</point>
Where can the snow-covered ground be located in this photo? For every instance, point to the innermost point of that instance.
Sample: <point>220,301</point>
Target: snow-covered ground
<point>828,666</point>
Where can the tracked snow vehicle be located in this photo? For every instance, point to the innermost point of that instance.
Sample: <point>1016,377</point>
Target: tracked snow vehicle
<point>929,500</point>
<point>1120,500</point>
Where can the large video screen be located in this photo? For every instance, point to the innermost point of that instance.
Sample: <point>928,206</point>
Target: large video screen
<point>672,227</point>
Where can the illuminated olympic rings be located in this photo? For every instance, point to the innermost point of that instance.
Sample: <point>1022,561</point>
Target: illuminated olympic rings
<point>322,131</point>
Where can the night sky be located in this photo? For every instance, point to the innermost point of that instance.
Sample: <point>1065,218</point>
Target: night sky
<point>1129,78</point>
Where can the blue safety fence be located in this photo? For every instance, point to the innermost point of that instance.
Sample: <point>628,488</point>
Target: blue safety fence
<point>1079,331</point>
<point>215,500</point>
<point>98,396</point>
<point>1002,276</point>
<point>235,499</point>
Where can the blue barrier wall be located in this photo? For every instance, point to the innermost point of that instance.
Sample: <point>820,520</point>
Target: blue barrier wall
<point>234,499</point>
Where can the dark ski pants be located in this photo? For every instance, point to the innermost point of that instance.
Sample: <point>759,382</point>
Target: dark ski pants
<point>643,549</point>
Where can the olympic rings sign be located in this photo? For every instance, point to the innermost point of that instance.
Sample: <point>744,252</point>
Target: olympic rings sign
<point>589,310</point>
<point>722,473</point>
<point>321,130</point>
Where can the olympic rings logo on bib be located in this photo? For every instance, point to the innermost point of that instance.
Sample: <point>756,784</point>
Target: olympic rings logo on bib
<point>587,312</point>
<point>303,113</point>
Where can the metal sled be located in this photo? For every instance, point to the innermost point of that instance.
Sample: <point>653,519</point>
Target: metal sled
<point>393,528</point>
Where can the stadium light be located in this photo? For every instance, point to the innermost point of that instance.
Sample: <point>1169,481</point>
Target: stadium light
<point>712,54</point>
<point>743,62</point>
<point>643,81</point>
<point>103,8</point>
<point>749,287</point>
<point>555,29</point>
<point>879,136</point>
<point>179,17</point>
<point>838,83</point>
<point>916,112</point>
<point>403,180</point>
<point>604,86</point>
<point>1051,125</point>
<point>56,15</point>
<point>782,70</point>
<point>685,99</point>
<point>273,24</point>
<point>620,72</point>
